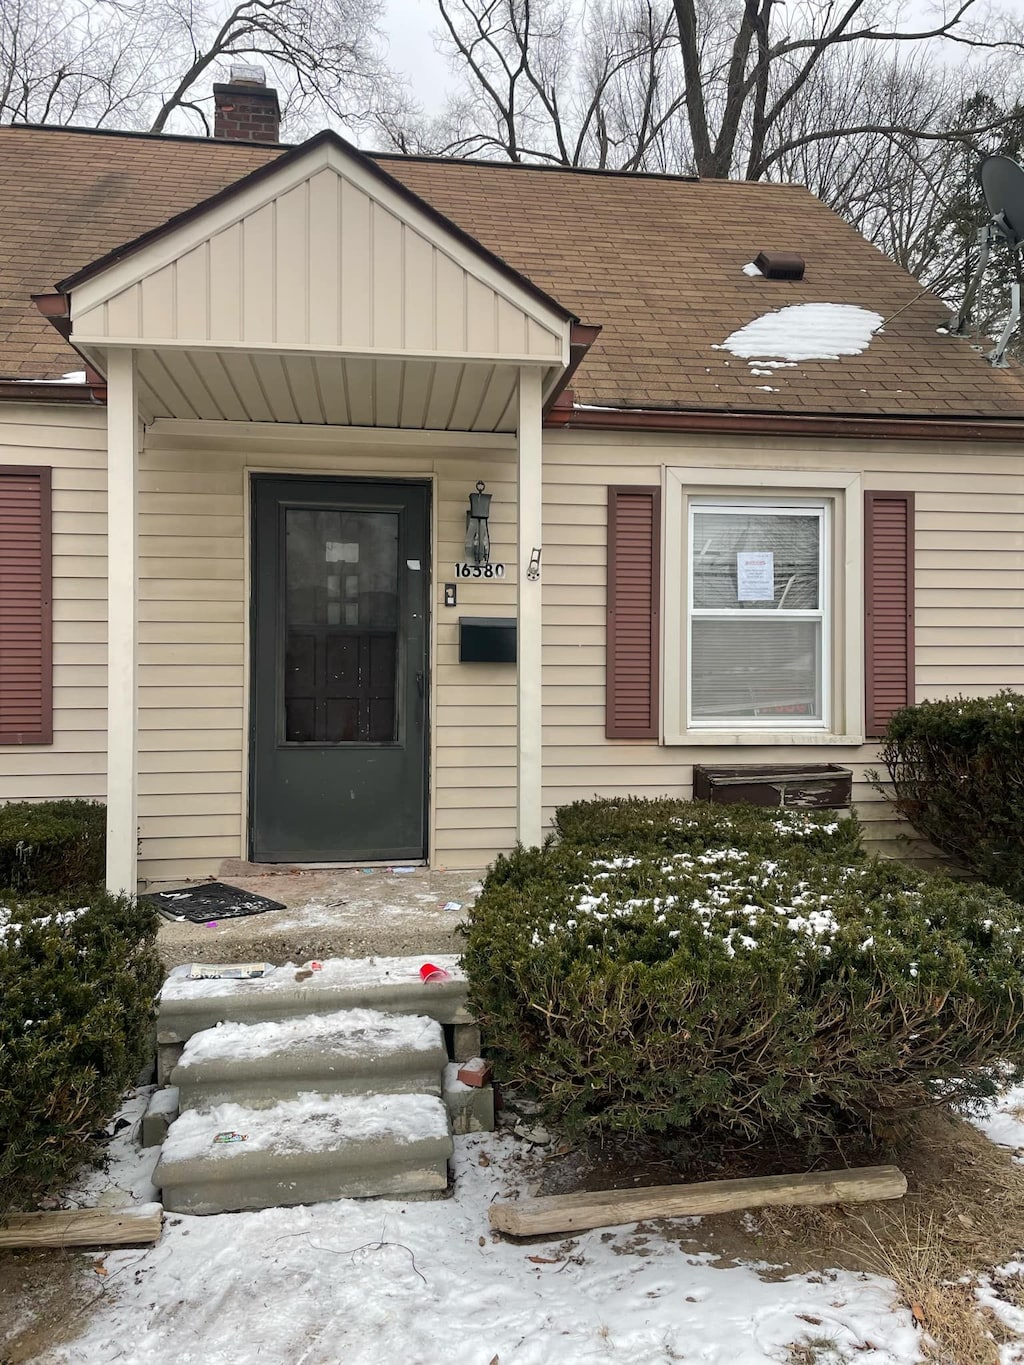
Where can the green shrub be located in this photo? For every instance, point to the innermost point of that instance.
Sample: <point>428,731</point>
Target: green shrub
<point>52,846</point>
<point>78,977</point>
<point>733,987</point>
<point>631,823</point>
<point>957,774</point>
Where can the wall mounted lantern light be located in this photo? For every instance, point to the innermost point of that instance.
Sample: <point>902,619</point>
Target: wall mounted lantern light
<point>478,539</point>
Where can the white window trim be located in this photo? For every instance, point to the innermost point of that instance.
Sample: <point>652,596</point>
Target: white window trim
<point>845,648</point>
<point>821,509</point>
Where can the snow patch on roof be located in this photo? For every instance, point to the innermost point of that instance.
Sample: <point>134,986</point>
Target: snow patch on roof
<point>72,377</point>
<point>805,331</point>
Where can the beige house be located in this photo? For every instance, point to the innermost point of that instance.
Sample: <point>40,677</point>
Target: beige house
<point>240,600</point>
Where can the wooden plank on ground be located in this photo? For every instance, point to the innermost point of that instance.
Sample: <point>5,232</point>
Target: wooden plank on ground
<point>606,1208</point>
<point>84,1227</point>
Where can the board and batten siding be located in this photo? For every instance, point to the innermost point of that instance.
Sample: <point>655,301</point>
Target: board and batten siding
<point>192,645</point>
<point>969,594</point>
<point>70,441</point>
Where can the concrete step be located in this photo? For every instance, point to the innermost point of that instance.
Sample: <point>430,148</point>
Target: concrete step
<point>470,1107</point>
<point>305,1150</point>
<point>390,984</point>
<point>161,1111</point>
<point>347,1052</point>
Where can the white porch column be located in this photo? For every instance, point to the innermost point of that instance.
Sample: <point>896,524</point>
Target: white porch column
<point>529,780</point>
<point>122,617</point>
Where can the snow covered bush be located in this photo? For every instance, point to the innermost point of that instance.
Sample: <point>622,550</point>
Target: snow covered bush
<point>669,966</point>
<point>78,977</point>
<point>633,823</point>
<point>957,774</point>
<point>48,846</point>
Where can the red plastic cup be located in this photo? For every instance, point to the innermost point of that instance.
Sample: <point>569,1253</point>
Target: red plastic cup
<point>428,972</point>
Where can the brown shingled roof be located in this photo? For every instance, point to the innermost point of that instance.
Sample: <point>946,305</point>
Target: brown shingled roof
<point>656,260</point>
<point>69,197</point>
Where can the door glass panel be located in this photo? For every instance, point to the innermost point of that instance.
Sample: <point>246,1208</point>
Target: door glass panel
<point>341,626</point>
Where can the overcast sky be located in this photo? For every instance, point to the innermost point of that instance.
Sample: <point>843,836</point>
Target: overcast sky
<point>409,24</point>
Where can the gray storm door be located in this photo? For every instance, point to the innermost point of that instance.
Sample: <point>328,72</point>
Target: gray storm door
<point>339,667</point>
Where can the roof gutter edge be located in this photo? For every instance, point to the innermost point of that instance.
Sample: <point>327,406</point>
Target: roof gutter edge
<point>785,424</point>
<point>41,391</point>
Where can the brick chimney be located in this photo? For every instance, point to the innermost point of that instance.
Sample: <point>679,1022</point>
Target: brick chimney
<point>244,109</point>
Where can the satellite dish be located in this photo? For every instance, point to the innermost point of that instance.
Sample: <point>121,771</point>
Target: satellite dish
<point>1002,182</point>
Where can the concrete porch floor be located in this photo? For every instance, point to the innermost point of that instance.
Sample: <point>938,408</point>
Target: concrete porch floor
<point>330,912</point>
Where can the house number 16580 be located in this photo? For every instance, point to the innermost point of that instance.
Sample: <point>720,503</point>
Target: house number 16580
<point>464,570</point>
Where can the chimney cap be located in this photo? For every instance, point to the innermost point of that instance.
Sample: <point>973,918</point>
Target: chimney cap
<point>247,75</point>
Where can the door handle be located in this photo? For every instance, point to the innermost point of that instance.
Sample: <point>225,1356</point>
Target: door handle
<point>419,684</point>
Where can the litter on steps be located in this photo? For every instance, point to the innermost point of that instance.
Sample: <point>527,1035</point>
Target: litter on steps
<point>331,1080</point>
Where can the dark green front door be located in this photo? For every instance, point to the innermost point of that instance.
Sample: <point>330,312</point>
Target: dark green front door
<point>339,708</point>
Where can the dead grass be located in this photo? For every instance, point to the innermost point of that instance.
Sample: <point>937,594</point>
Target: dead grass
<point>816,1351</point>
<point>954,1329</point>
<point>963,1214</point>
<point>41,1293</point>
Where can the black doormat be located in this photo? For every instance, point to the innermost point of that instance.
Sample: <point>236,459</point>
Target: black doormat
<point>210,900</point>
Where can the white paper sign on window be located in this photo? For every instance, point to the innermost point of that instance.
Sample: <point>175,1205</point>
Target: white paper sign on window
<point>755,576</point>
<point>342,552</point>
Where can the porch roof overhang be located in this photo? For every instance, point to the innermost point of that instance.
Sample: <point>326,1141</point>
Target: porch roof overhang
<point>319,290</point>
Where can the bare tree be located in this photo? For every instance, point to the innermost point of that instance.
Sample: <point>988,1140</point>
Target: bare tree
<point>721,89</point>
<point>552,81</point>
<point>150,63</point>
<point>73,61</point>
<point>875,115</point>
<point>323,53</point>
<point>745,75</point>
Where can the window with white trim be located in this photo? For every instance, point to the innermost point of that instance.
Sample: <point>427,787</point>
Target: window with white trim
<point>759,619</point>
<point>763,607</point>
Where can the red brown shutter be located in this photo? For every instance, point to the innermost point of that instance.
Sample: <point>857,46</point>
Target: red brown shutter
<point>889,605</point>
<point>26,627</point>
<point>634,617</point>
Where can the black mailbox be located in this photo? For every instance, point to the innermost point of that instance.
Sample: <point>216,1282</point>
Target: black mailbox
<point>487,639</point>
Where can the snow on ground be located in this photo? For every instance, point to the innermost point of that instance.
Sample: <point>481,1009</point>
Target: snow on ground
<point>992,1294</point>
<point>363,1282</point>
<point>1004,1122</point>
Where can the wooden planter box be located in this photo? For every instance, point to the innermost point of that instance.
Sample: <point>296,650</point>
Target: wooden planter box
<point>793,786</point>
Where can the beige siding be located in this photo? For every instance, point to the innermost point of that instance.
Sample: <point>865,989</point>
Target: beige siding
<point>193,676</point>
<point>969,594</point>
<point>72,441</point>
<point>320,257</point>
<point>193,617</point>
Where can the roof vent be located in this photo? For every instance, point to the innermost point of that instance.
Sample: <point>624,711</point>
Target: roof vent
<point>780,265</point>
